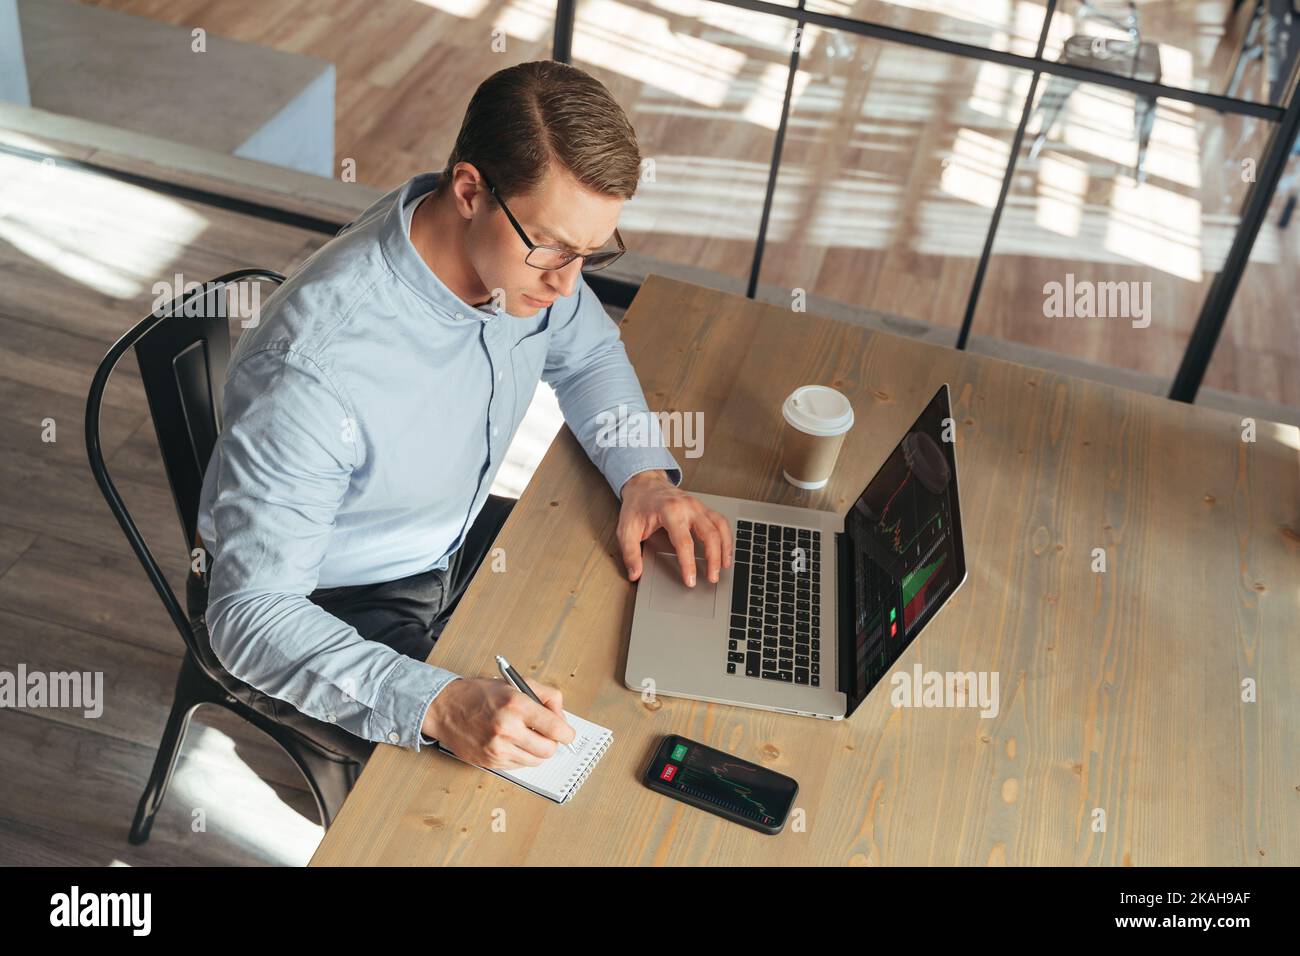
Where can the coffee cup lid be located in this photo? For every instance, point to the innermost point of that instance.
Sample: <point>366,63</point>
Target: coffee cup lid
<point>818,410</point>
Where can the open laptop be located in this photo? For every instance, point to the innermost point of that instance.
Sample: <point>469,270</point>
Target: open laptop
<point>815,608</point>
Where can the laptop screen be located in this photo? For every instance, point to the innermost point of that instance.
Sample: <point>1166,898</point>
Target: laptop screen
<point>904,548</point>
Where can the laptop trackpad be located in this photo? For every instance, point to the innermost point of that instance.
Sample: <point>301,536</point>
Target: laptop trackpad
<point>670,595</point>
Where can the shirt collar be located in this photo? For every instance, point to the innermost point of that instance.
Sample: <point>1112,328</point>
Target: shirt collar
<point>411,269</point>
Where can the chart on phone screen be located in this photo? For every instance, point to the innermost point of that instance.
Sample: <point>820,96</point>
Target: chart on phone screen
<point>723,782</point>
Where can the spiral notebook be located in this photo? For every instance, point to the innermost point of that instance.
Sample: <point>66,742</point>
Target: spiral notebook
<point>560,777</point>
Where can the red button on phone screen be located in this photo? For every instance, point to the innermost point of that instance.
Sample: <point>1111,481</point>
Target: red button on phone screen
<point>668,772</point>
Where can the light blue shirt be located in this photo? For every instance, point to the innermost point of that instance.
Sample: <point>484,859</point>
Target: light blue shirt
<point>365,416</point>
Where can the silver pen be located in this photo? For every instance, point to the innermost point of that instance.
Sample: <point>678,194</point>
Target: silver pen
<point>521,685</point>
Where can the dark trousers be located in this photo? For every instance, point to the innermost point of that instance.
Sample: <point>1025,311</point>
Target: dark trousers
<point>408,615</point>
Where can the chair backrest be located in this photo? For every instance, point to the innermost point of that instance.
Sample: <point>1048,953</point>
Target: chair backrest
<point>183,367</point>
<point>182,348</point>
<point>1121,14</point>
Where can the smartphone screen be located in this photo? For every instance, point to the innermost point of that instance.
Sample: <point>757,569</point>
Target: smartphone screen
<point>717,781</point>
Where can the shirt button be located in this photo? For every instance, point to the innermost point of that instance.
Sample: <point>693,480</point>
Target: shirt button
<point>330,718</point>
<point>495,431</point>
<point>499,374</point>
<point>393,738</point>
<point>459,315</point>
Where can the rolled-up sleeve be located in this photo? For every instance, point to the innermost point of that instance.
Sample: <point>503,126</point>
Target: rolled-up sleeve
<point>288,449</point>
<point>597,388</point>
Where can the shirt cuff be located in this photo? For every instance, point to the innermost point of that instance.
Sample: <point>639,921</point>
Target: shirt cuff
<point>403,701</point>
<point>632,461</point>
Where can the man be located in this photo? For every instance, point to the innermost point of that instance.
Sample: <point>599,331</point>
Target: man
<point>346,504</point>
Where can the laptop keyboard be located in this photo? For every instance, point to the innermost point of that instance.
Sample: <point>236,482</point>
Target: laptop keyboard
<point>775,629</point>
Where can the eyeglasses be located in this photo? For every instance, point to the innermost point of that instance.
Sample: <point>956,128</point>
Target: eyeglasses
<point>548,258</point>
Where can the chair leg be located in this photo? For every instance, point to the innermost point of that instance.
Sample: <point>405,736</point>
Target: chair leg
<point>330,779</point>
<point>1144,119</point>
<point>1053,101</point>
<point>192,689</point>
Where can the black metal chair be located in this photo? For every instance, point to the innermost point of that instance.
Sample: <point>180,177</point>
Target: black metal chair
<point>182,350</point>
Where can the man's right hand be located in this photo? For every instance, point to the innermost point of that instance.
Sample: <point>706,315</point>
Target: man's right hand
<point>489,723</point>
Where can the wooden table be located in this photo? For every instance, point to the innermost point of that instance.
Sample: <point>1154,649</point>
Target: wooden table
<point>1120,691</point>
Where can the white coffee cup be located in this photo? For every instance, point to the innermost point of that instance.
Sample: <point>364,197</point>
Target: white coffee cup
<point>817,418</point>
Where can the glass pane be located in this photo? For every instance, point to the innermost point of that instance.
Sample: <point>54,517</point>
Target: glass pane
<point>703,85</point>
<point>1258,353</point>
<point>892,164</point>
<point>1242,49</point>
<point>1011,26</point>
<point>1093,264</point>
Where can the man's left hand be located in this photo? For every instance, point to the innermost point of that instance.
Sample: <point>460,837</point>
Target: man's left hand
<point>651,502</point>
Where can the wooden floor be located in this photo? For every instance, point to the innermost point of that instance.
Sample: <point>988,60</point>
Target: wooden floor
<point>892,161</point>
<point>80,254</point>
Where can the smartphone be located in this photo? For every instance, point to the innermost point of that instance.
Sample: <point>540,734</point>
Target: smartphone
<point>711,780</point>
